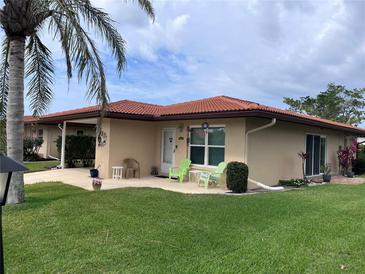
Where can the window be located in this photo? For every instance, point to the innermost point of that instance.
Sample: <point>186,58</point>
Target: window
<point>316,148</point>
<point>79,133</point>
<point>40,133</point>
<point>207,146</point>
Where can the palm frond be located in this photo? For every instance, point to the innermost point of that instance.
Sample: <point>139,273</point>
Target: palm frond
<point>146,5</point>
<point>82,52</point>
<point>4,76</point>
<point>64,33</point>
<point>4,88</point>
<point>39,68</point>
<point>67,18</point>
<point>103,24</point>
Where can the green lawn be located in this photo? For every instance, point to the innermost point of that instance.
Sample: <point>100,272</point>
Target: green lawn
<point>66,229</point>
<point>41,165</point>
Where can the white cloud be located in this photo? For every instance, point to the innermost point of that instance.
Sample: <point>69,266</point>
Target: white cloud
<point>259,50</point>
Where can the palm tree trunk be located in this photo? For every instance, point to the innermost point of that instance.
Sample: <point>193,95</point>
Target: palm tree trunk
<point>15,114</point>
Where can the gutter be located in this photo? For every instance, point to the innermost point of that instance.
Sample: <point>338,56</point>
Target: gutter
<point>207,115</point>
<point>271,124</point>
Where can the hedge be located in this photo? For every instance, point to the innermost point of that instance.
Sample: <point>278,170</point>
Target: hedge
<point>78,149</point>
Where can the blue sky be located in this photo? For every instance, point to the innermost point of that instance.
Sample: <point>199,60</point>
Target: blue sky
<point>250,49</point>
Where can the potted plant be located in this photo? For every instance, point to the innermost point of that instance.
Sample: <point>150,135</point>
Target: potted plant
<point>96,182</point>
<point>154,171</point>
<point>349,174</point>
<point>94,172</point>
<point>326,170</point>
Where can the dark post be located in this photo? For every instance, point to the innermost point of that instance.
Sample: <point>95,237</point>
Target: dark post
<point>2,271</point>
<point>1,242</point>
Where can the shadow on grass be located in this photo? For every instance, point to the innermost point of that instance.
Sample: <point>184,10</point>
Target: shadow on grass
<point>42,194</point>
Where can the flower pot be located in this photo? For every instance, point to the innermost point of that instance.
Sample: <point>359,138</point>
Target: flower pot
<point>96,183</point>
<point>96,187</point>
<point>327,178</point>
<point>94,173</point>
<point>350,174</point>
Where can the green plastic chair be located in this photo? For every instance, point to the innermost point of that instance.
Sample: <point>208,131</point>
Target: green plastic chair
<point>181,171</point>
<point>215,176</point>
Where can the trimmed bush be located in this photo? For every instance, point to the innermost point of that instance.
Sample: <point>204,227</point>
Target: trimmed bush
<point>237,175</point>
<point>79,150</point>
<point>31,148</point>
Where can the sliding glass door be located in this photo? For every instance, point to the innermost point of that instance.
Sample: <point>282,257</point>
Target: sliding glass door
<point>316,151</point>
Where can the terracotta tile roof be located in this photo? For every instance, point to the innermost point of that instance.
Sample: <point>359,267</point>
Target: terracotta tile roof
<point>132,107</point>
<point>30,119</point>
<point>72,112</point>
<point>124,106</point>
<point>247,105</point>
<point>218,104</point>
<point>226,104</point>
<point>213,104</point>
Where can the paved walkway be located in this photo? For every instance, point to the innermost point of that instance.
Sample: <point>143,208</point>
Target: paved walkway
<point>347,181</point>
<point>80,177</point>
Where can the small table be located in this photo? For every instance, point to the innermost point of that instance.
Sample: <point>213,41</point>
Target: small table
<point>117,172</point>
<point>195,173</point>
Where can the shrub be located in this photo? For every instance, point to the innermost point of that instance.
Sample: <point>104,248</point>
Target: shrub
<point>358,166</point>
<point>31,148</point>
<point>346,156</point>
<point>293,182</point>
<point>237,175</point>
<point>78,150</point>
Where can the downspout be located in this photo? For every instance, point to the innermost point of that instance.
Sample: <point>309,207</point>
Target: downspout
<point>271,124</point>
<point>53,157</point>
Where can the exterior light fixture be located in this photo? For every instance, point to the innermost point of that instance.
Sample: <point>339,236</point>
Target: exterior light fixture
<point>205,125</point>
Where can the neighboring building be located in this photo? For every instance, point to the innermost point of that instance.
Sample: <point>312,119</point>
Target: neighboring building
<point>161,136</point>
<point>50,132</point>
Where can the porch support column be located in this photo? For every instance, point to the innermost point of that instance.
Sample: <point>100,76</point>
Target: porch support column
<point>63,145</point>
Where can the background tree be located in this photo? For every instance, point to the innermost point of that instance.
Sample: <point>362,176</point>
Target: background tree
<point>336,103</point>
<point>25,55</point>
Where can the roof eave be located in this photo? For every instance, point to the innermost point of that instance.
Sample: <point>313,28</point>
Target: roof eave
<point>94,114</point>
<point>260,114</point>
<point>206,115</point>
<point>76,116</point>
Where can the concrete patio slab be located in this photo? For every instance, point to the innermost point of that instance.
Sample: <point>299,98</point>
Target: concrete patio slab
<point>80,177</point>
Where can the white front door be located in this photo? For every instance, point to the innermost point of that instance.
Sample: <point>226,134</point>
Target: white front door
<point>167,149</point>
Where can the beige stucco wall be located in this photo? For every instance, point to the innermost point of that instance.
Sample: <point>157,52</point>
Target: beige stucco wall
<point>272,152</point>
<point>127,139</point>
<point>234,145</point>
<point>102,153</point>
<point>142,141</point>
<point>50,135</point>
